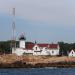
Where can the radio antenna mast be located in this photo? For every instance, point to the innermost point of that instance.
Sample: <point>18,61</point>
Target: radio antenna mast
<point>13,30</point>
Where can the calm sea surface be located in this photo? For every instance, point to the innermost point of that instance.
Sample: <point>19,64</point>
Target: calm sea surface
<point>41,71</point>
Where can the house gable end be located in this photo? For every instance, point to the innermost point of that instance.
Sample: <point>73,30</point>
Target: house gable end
<point>72,53</point>
<point>36,47</point>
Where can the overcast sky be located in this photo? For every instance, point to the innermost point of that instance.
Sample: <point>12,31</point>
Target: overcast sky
<point>40,20</point>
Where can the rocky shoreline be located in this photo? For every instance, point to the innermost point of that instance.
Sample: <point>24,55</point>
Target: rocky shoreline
<point>39,65</point>
<point>28,61</point>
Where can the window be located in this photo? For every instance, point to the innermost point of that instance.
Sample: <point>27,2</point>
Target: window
<point>36,48</point>
<point>52,51</point>
<point>72,52</point>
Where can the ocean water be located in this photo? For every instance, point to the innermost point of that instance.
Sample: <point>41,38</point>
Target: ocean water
<point>38,71</point>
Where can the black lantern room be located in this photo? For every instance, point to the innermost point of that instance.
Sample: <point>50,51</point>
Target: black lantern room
<point>22,37</point>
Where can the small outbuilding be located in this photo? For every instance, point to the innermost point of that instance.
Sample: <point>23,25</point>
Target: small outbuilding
<point>72,53</point>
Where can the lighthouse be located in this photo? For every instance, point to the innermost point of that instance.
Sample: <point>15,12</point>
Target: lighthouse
<point>22,41</point>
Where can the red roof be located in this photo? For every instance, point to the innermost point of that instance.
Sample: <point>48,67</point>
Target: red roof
<point>51,46</point>
<point>29,46</point>
<point>42,45</point>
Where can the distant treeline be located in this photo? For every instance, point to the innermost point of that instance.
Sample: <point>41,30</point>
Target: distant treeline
<point>65,48</point>
<point>5,47</point>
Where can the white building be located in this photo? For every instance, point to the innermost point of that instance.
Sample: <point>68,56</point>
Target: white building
<point>71,53</point>
<point>46,49</point>
<point>36,49</point>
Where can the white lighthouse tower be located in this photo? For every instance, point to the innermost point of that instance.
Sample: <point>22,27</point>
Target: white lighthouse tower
<point>22,41</point>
